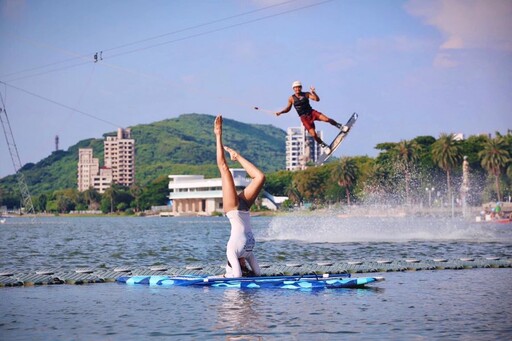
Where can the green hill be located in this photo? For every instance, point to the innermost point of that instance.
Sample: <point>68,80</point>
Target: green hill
<point>182,145</point>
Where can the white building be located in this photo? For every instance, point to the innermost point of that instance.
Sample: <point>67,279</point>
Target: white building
<point>193,194</point>
<point>301,148</point>
<point>458,137</point>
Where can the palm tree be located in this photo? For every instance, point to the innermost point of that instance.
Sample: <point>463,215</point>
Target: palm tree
<point>446,153</point>
<point>136,191</point>
<point>407,153</point>
<point>111,194</point>
<point>92,197</point>
<point>293,193</point>
<point>495,156</point>
<point>310,184</point>
<point>345,174</point>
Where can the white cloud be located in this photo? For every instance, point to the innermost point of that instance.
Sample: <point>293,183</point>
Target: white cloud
<point>481,24</point>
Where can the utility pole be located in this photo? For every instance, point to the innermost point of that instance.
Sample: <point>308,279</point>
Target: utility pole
<point>15,157</point>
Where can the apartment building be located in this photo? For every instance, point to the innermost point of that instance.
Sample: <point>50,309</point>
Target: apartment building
<point>88,166</point>
<point>119,163</point>
<point>90,174</point>
<point>119,156</point>
<point>301,148</point>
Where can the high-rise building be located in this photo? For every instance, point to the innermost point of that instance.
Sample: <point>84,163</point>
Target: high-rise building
<point>88,166</point>
<point>301,148</point>
<point>90,174</point>
<point>103,180</point>
<point>119,160</point>
<point>120,157</point>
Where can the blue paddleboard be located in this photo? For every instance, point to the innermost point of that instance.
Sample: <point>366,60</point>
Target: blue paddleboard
<point>270,282</point>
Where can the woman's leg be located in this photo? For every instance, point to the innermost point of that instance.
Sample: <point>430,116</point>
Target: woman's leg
<point>229,195</point>
<point>250,193</point>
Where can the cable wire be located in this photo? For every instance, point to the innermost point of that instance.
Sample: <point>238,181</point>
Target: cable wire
<point>61,105</point>
<point>88,56</point>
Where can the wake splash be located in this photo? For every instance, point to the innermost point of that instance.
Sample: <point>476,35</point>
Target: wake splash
<point>335,229</point>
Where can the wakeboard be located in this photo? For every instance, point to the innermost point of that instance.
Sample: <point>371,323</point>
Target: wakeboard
<point>304,282</point>
<point>338,139</point>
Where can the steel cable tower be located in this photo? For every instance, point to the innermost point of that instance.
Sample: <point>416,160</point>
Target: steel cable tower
<point>15,157</point>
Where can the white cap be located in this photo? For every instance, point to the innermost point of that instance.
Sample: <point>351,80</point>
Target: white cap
<point>296,83</point>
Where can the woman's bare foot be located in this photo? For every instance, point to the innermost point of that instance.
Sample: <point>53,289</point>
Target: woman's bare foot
<point>217,127</point>
<point>232,153</point>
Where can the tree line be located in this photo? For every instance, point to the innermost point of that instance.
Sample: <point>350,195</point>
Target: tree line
<point>115,199</point>
<point>406,172</point>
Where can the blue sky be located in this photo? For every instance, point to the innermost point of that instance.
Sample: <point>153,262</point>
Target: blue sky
<point>409,68</point>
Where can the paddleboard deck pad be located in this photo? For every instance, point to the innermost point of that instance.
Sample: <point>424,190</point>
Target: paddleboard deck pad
<point>338,139</point>
<point>305,282</point>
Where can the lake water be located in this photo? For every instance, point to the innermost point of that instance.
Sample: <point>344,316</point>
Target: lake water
<point>443,304</point>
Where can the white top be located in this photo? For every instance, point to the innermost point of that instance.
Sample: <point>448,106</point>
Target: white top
<point>241,243</point>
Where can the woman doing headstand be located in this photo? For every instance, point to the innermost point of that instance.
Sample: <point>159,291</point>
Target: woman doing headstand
<point>236,206</point>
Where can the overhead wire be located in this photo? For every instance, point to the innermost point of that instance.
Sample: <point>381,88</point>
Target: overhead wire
<point>198,25</point>
<point>153,46</point>
<point>88,56</point>
<point>62,105</point>
<point>74,55</point>
<point>50,71</point>
<point>148,39</point>
<point>220,29</point>
<point>64,122</point>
